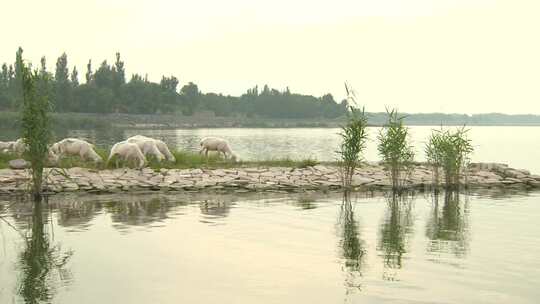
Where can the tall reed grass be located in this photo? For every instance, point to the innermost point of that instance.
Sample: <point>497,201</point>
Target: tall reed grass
<point>354,136</point>
<point>395,149</point>
<point>36,126</point>
<point>450,152</point>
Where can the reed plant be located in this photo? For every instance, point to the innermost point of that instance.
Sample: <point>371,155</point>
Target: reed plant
<point>36,126</point>
<point>450,151</point>
<point>354,137</point>
<point>395,149</point>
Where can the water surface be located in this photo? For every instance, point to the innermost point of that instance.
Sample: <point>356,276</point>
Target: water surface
<point>272,249</point>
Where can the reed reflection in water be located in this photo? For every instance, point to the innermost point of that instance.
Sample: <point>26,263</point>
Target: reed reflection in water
<point>394,232</point>
<point>447,227</point>
<point>43,265</point>
<point>353,248</point>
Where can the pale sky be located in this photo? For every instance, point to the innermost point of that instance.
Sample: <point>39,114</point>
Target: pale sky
<point>466,56</point>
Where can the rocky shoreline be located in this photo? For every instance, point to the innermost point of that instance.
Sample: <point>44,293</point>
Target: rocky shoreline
<point>272,179</point>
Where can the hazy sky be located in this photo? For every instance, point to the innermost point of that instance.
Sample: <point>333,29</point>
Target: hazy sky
<point>419,55</point>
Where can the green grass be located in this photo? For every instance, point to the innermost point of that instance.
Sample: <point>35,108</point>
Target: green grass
<point>184,160</point>
<point>5,158</point>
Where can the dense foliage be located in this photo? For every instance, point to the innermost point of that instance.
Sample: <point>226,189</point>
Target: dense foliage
<point>107,90</point>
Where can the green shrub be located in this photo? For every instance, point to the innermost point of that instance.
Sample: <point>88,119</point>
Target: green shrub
<point>395,149</point>
<point>5,158</point>
<point>354,137</point>
<point>449,151</point>
<point>308,162</point>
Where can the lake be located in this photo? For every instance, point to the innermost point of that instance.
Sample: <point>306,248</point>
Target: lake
<point>309,248</point>
<point>517,146</point>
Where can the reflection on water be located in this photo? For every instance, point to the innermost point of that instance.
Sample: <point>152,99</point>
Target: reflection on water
<point>394,232</point>
<point>351,245</point>
<point>215,209</point>
<point>42,266</point>
<point>284,249</point>
<point>447,227</point>
<point>140,212</point>
<point>77,214</point>
<point>305,202</point>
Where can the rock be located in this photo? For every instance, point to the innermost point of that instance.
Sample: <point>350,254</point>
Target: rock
<point>535,177</point>
<point>488,166</point>
<point>510,180</point>
<point>534,183</point>
<point>18,164</point>
<point>196,171</point>
<point>361,180</point>
<point>513,173</point>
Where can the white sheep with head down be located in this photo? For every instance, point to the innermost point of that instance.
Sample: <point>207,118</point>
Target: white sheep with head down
<point>147,145</point>
<point>217,144</point>
<point>5,146</point>
<point>18,147</point>
<point>76,147</point>
<point>160,145</point>
<point>128,152</point>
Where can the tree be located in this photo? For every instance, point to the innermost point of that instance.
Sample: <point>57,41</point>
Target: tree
<point>16,85</point>
<point>61,74</point>
<point>62,87</point>
<point>4,88</point>
<point>89,74</point>
<point>43,69</point>
<point>104,76</point>
<point>169,83</point>
<point>190,97</point>
<point>106,91</point>
<point>119,72</point>
<point>75,77</point>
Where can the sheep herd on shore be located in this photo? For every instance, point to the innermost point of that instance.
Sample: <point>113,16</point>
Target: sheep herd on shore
<point>135,149</point>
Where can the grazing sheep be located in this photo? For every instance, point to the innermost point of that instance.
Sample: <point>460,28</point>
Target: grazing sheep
<point>216,144</point>
<point>128,151</point>
<point>18,147</point>
<point>75,146</point>
<point>147,145</point>
<point>5,146</point>
<point>161,146</point>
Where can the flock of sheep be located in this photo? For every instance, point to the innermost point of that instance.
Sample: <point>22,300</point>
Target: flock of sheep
<point>134,149</point>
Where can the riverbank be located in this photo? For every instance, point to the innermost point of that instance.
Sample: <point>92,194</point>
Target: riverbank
<point>370,177</point>
<point>64,121</point>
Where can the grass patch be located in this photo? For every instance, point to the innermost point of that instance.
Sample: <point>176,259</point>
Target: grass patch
<point>5,158</point>
<point>184,160</point>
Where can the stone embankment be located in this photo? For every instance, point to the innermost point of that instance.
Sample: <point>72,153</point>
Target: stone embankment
<point>273,179</point>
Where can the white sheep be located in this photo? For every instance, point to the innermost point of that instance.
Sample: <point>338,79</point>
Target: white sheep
<point>217,144</point>
<point>147,145</point>
<point>128,151</point>
<point>160,145</point>
<point>76,147</point>
<point>18,147</point>
<point>5,146</point>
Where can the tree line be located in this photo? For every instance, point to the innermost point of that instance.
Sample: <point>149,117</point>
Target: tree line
<point>107,89</point>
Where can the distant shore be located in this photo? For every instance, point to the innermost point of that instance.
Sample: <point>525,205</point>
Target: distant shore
<point>9,120</point>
